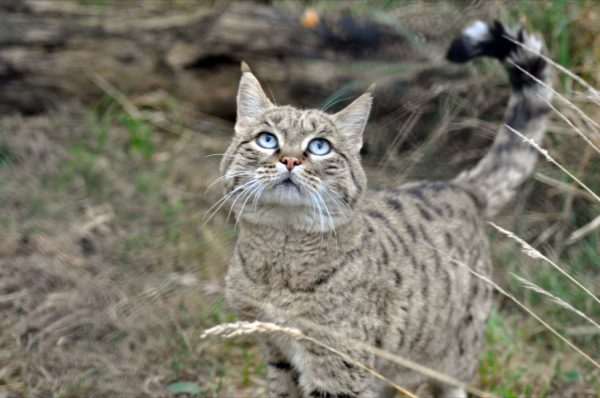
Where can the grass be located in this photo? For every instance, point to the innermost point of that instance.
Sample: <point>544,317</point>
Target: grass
<point>153,281</point>
<point>559,23</point>
<point>107,167</point>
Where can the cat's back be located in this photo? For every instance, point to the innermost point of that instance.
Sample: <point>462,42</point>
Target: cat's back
<point>429,234</point>
<point>428,227</point>
<point>441,214</point>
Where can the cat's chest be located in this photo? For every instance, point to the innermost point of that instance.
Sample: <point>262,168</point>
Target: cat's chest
<point>291,267</point>
<point>294,281</point>
<point>270,288</point>
<point>299,274</point>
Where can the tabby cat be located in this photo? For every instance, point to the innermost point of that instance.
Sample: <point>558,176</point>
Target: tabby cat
<point>316,246</point>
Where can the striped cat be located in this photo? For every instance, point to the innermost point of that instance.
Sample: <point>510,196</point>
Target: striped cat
<point>316,247</point>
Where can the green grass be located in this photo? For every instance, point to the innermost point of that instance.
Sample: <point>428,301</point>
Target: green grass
<point>113,163</point>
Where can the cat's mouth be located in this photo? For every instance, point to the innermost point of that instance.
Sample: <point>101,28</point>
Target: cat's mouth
<point>288,183</point>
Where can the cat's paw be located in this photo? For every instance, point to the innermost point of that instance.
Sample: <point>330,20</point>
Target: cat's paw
<point>493,40</point>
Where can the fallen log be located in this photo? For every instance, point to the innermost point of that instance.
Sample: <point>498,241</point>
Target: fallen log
<point>48,50</point>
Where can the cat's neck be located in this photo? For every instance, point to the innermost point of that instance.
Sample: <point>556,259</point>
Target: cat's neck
<point>297,221</point>
<point>293,259</point>
<point>273,237</point>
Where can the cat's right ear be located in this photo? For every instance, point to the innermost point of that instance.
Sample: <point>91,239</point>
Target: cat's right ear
<point>251,99</point>
<point>351,121</point>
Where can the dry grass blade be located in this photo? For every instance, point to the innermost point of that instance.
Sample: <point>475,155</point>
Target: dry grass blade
<point>442,128</point>
<point>124,102</point>
<point>229,330</point>
<point>403,132</point>
<point>532,286</point>
<point>595,96</point>
<point>583,231</point>
<point>566,119</point>
<point>521,305</point>
<point>562,98</point>
<point>114,93</point>
<point>581,331</point>
<point>251,327</point>
<point>551,160</point>
<point>533,253</point>
<point>563,186</point>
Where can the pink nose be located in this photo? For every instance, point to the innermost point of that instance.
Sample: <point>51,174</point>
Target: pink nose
<point>290,162</point>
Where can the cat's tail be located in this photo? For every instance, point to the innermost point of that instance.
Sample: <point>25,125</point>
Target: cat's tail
<point>510,160</point>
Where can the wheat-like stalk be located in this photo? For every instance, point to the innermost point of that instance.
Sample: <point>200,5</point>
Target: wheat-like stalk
<point>520,304</point>
<point>570,123</point>
<point>229,330</point>
<point>532,286</point>
<point>583,231</point>
<point>243,328</point>
<point>593,92</point>
<point>239,328</point>
<point>536,254</point>
<point>588,119</point>
<point>551,160</point>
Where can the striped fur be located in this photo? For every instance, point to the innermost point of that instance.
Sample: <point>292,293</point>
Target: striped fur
<point>510,161</point>
<point>315,247</point>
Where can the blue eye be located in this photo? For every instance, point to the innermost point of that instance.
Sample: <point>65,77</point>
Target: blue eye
<point>319,146</point>
<point>267,140</point>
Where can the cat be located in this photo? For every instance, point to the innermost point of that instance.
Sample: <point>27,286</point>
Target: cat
<point>316,247</point>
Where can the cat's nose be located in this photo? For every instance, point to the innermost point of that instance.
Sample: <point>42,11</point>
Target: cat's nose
<point>290,162</point>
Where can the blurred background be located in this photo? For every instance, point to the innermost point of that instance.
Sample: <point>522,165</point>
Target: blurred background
<point>112,118</point>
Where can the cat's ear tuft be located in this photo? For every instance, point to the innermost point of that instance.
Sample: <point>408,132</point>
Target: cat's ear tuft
<point>244,67</point>
<point>251,99</point>
<point>351,120</point>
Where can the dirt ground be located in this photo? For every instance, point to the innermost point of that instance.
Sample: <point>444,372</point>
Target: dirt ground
<point>109,271</point>
<point>99,294</point>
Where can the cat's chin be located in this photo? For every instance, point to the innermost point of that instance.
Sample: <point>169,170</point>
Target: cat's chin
<point>287,204</point>
<point>286,194</point>
<point>293,210</point>
<point>290,217</point>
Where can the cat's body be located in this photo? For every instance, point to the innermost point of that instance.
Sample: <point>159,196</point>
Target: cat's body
<point>389,289</point>
<point>319,252</point>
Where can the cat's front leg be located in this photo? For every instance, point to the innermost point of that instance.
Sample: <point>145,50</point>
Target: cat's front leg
<point>326,374</point>
<point>282,377</point>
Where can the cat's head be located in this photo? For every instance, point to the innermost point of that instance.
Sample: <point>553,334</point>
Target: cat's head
<point>294,168</point>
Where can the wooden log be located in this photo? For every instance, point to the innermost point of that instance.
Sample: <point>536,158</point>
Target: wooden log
<point>49,49</point>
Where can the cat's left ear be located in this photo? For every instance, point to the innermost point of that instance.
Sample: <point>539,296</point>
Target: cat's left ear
<point>251,99</point>
<point>351,120</point>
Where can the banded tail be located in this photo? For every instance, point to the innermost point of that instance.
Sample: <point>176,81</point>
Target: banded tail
<point>509,161</point>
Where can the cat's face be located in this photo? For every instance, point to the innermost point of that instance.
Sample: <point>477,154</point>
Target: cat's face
<point>294,168</point>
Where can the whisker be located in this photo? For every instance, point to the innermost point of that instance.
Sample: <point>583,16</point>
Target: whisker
<point>312,202</point>
<point>318,211</point>
<point>321,216</point>
<point>328,215</point>
<point>223,198</point>
<point>241,195</point>
<point>229,194</point>
<point>222,201</point>
<point>227,177</point>
<point>257,197</point>
<point>338,200</point>
<point>254,189</point>
<point>341,198</point>
<point>223,154</point>
<point>330,104</point>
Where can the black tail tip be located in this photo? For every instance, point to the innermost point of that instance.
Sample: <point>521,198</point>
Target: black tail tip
<point>461,50</point>
<point>482,39</point>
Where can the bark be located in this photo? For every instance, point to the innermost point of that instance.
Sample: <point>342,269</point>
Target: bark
<point>49,51</point>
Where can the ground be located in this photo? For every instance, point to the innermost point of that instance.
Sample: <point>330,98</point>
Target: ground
<point>109,271</point>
